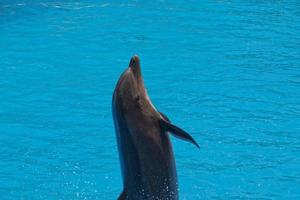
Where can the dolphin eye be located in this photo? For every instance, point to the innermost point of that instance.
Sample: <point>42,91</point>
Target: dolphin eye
<point>137,98</point>
<point>138,102</point>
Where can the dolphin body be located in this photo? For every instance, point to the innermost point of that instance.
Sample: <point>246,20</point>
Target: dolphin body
<point>145,151</point>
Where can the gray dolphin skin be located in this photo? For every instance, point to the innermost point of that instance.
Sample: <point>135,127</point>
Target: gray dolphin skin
<point>145,151</point>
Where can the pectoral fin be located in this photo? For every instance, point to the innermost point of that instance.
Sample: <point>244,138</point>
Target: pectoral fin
<point>176,131</point>
<point>164,117</point>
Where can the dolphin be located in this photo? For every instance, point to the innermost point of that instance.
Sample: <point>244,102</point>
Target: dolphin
<point>145,151</point>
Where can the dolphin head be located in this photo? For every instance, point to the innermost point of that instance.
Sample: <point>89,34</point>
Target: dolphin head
<point>130,94</point>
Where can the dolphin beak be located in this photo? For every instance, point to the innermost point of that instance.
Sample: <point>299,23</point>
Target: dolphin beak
<point>134,62</point>
<point>135,66</point>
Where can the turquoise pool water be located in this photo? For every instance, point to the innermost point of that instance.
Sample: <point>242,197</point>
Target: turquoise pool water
<point>227,72</point>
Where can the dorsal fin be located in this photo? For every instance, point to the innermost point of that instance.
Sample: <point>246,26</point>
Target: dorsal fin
<point>176,131</point>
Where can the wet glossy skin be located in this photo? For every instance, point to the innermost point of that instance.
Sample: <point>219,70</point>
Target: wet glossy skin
<point>145,151</point>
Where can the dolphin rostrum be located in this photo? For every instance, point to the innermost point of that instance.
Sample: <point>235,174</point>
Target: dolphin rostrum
<point>145,151</point>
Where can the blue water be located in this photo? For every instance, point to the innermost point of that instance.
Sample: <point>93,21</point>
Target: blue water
<point>227,72</point>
